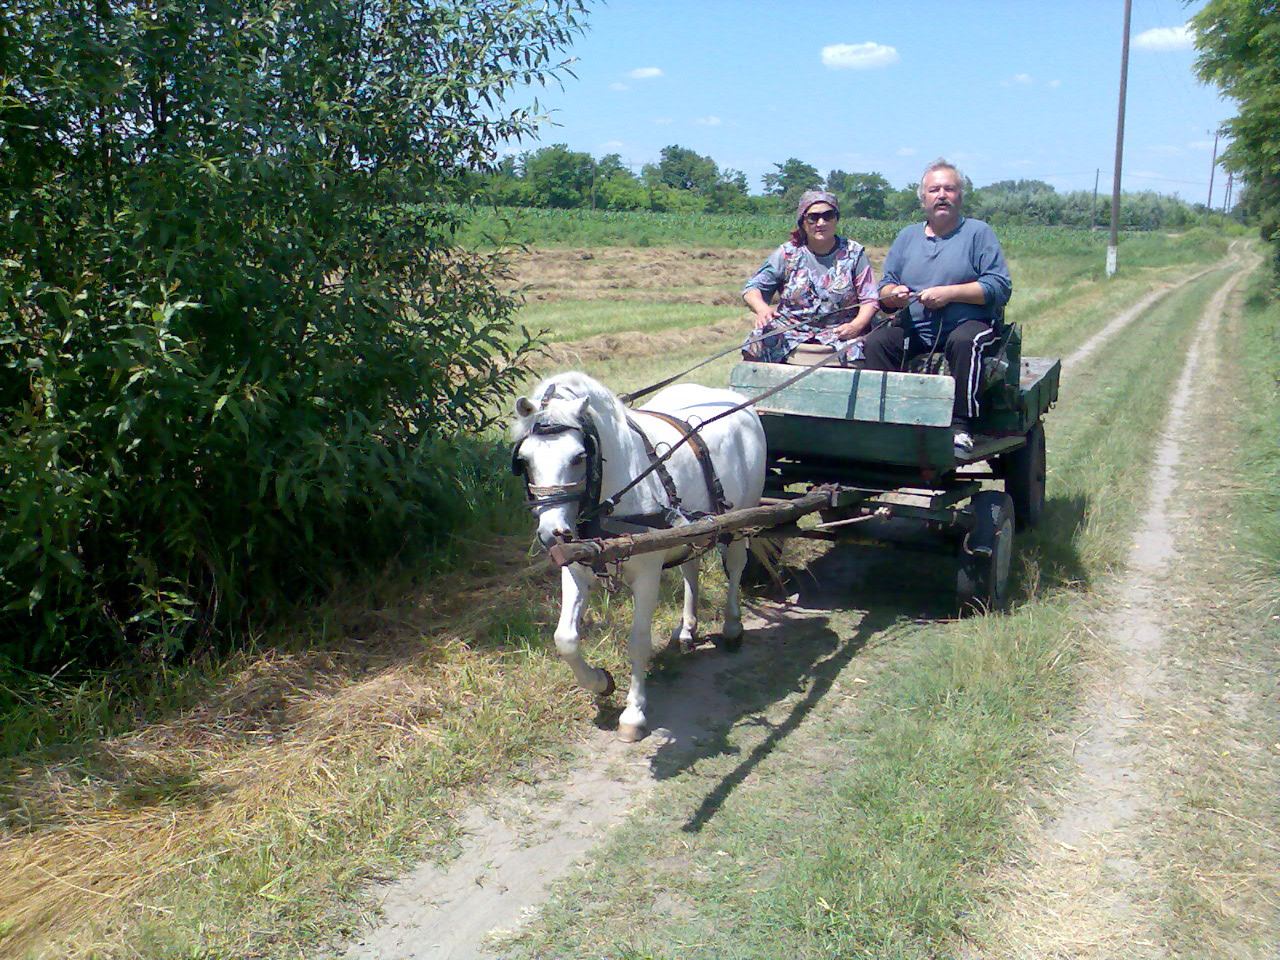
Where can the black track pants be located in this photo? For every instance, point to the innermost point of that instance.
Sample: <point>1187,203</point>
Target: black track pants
<point>888,348</point>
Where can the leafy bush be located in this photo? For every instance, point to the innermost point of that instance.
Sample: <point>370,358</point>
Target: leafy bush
<point>239,337</point>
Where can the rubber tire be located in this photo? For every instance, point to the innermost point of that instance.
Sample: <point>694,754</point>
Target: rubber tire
<point>986,554</point>
<point>1024,473</point>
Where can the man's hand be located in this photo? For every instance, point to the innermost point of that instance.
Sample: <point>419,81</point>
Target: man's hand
<point>935,298</point>
<point>894,296</point>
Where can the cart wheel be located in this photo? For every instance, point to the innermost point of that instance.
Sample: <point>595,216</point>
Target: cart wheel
<point>986,550</point>
<point>1024,473</point>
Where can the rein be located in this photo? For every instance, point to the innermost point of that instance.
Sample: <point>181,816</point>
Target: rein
<point>755,337</point>
<point>606,506</point>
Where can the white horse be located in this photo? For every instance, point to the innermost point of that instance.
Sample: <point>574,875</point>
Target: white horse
<point>577,445</point>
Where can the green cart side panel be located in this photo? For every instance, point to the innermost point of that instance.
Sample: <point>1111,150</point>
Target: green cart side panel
<point>1037,392</point>
<point>866,395</point>
<point>858,441</point>
<point>873,416</point>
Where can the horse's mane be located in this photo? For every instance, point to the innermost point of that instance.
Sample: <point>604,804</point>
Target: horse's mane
<point>570,385</point>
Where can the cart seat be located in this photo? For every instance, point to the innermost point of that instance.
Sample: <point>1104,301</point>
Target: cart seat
<point>810,353</point>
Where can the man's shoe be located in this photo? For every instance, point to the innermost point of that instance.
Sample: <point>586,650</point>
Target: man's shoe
<point>963,441</point>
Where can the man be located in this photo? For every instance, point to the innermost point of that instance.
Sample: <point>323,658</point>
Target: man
<point>951,275</point>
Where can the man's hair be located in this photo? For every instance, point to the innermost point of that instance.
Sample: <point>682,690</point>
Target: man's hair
<point>941,164</point>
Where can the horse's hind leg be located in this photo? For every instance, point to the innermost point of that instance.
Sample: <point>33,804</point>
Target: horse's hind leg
<point>576,582</point>
<point>686,633</point>
<point>734,556</point>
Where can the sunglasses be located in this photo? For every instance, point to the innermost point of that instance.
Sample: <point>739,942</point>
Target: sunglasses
<point>822,217</point>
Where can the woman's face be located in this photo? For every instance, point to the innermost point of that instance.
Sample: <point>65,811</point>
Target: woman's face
<point>820,223</point>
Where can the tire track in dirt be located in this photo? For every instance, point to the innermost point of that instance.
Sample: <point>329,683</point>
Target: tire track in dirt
<point>1088,892</point>
<point>1122,320</point>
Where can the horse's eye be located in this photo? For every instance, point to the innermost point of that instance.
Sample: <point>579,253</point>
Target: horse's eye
<point>578,460</point>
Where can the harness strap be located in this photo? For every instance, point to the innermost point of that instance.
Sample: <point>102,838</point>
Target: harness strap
<point>804,372</point>
<point>715,490</point>
<point>658,463</point>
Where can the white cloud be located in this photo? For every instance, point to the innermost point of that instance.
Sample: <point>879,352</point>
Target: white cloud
<point>611,145</point>
<point>663,121</point>
<point>618,86</point>
<point>645,73</point>
<point>709,121</point>
<point>1166,38</point>
<point>1018,79</point>
<point>907,151</point>
<point>1055,84</point>
<point>1200,144</point>
<point>858,56</point>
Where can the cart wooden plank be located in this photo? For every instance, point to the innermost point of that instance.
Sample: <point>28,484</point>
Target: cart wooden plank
<point>877,396</point>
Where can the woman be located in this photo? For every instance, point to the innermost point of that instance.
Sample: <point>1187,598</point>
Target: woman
<point>823,280</point>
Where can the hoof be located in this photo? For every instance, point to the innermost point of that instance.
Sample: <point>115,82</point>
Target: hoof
<point>630,733</point>
<point>609,685</point>
<point>731,644</point>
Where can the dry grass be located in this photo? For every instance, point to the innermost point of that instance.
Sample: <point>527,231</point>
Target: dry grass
<point>101,833</point>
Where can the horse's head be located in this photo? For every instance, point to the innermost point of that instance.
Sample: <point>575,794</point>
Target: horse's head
<point>556,450</point>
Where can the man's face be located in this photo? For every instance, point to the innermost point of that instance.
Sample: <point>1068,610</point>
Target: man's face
<point>941,193</point>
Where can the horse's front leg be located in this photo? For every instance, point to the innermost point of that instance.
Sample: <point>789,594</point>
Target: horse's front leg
<point>734,556</point>
<point>642,575</point>
<point>576,582</point>
<point>686,632</point>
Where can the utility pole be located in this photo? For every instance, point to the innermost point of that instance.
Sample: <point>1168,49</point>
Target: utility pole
<point>1212,165</point>
<point>1113,246</point>
<point>1231,182</point>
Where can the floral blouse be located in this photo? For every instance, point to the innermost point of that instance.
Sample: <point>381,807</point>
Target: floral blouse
<point>821,291</point>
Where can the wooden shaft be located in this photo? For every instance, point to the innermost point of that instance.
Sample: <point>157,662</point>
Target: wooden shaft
<point>622,547</point>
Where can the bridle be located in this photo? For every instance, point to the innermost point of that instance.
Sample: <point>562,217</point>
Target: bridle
<point>584,492</point>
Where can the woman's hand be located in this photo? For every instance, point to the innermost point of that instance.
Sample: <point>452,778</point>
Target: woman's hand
<point>760,307</point>
<point>860,324</point>
<point>765,316</point>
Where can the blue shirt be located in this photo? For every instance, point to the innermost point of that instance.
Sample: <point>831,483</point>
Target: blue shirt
<point>969,252</point>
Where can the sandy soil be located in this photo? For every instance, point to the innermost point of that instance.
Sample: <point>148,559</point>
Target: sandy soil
<point>518,844</point>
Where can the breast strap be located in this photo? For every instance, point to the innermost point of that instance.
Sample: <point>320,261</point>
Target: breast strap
<point>715,491</point>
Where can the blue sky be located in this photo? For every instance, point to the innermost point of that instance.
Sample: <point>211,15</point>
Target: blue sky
<point>1007,89</point>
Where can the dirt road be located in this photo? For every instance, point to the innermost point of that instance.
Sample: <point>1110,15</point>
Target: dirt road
<point>1087,889</point>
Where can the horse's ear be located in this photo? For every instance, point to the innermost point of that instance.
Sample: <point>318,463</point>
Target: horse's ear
<point>579,407</point>
<point>524,407</point>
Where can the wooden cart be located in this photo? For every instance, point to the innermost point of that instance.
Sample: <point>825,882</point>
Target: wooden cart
<point>882,444</point>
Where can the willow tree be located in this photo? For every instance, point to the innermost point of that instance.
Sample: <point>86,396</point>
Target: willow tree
<point>236,326</point>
